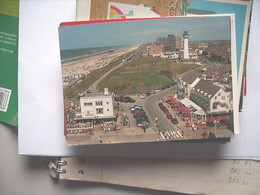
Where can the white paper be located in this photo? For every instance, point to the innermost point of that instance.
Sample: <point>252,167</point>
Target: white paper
<point>212,177</point>
<point>41,101</point>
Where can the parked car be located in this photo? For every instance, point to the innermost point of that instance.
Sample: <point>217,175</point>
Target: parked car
<point>174,121</point>
<point>143,124</point>
<point>129,99</point>
<point>148,94</point>
<point>136,109</point>
<point>160,105</point>
<point>135,106</point>
<point>138,112</point>
<point>169,116</point>
<point>163,108</point>
<point>166,111</point>
<point>142,117</point>
<point>142,96</point>
<point>122,98</point>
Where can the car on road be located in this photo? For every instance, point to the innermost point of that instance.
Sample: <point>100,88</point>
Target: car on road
<point>168,116</point>
<point>142,96</point>
<point>148,94</point>
<point>163,108</point>
<point>166,111</point>
<point>174,121</point>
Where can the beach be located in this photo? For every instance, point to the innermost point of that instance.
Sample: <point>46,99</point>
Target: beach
<point>87,65</point>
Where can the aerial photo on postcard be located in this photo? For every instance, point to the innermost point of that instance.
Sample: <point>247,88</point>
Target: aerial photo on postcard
<point>149,80</point>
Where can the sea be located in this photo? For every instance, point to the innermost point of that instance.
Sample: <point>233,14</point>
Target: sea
<point>79,54</point>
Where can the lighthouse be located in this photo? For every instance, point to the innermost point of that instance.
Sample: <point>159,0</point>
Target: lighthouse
<point>186,45</point>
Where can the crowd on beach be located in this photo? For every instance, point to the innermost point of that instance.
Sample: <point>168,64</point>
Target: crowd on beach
<point>85,66</point>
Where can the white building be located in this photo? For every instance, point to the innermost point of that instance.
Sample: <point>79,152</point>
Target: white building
<point>213,99</point>
<point>186,83</point>
<point>97,106</point>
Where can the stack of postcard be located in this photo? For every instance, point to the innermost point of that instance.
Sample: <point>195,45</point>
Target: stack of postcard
<point>143,77</point>
<point>157,71</point>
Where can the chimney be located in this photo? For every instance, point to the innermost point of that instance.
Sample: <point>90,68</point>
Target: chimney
<point>106,91</point>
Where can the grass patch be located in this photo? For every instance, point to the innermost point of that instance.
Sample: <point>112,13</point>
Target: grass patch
<point>127,84</point>
<point>143,74</point>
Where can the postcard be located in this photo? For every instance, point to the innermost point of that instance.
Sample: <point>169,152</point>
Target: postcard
<point>146,80</point>
<point>123,11</point>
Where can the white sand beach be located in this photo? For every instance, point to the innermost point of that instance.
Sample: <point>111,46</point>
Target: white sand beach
<point>85,66</point>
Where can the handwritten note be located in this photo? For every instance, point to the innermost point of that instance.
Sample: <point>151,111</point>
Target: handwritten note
<point>245,173</point>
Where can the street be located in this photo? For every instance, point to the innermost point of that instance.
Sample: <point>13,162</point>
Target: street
<point>150,104</point>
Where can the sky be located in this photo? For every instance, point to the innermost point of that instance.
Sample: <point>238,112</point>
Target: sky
<point>140,32</point>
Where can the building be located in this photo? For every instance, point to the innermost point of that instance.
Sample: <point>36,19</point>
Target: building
<point>178,44</point>
<point>186,83</point>
<point>213,99</point>
<point>97,106</point>
<point>170,43</point>
<point>155,50</point>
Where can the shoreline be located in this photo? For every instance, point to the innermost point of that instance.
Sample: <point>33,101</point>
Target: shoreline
<point>85,66</point>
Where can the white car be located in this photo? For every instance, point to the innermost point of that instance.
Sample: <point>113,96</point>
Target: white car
<point>142,96</point>
<point>143,124</point>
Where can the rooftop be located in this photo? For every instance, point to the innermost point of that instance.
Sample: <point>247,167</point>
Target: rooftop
<point>207,87</point>
<point>156,49</point>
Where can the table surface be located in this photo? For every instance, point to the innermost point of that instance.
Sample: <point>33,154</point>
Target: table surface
<point>29,175</point>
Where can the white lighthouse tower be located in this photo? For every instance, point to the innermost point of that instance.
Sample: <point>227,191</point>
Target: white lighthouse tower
<point>186,45</point>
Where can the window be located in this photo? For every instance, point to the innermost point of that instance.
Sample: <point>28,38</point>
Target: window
<point>107,103</point>
<point>99,110</point>
<point>88,104</point>
<point>99,103</point>
<point>215,105</point>
<point>223,97</point>
<point>108,110</point>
